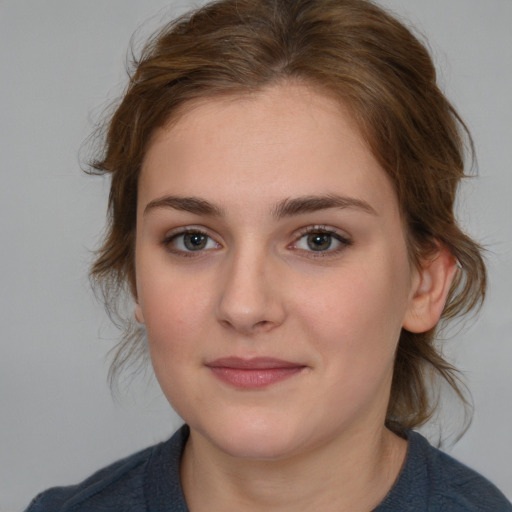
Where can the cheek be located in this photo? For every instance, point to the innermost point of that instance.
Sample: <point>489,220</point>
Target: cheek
<point>357,316</point>
<point>174,313</point>
<point>175,325</point>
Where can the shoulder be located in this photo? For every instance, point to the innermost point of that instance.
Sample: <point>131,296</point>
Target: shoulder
<point>119,486</point>
<point>460,487</point>
<point>432,480</point>
<point>120,480</point>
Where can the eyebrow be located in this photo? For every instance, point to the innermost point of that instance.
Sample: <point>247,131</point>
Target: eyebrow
<point>186,204</point>
<point>285,208</point>
<point>308,204</point>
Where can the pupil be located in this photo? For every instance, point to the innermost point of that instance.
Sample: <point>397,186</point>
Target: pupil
<point>319,241</point>
<point>195,241</point>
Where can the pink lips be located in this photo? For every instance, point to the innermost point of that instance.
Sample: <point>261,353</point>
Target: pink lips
<point>253,373</point>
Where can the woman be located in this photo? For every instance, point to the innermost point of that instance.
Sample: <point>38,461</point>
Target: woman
<point>283,179</point>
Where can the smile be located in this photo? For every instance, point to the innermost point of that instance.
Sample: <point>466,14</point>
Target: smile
<point>253,373</point>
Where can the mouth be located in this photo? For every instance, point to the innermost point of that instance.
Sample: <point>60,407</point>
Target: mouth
<point>253,373</point>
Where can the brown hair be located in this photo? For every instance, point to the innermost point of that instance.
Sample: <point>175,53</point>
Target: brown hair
<point>348,48</point>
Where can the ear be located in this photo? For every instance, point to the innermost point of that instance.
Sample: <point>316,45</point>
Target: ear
<point>137,312</point>
<point>430,291</point>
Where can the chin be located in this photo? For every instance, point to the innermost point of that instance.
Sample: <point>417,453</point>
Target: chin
<point>255,438</point>
<point>254,447</point>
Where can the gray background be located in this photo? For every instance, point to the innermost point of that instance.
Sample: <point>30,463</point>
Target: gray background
<point>61,61</point>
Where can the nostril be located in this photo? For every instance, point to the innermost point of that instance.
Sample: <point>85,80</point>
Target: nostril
<point>247,326</point>
<point>263,324</point>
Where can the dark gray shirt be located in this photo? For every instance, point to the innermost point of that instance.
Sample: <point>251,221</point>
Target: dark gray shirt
<point>149,481</point>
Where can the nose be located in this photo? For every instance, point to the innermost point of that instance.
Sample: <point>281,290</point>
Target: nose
<point>250,299</point>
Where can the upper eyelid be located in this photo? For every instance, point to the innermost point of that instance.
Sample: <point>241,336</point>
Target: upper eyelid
<point>172,235</point>
<point>323,256</point>
<point>193,228</point>
<point>183,230</point>
<point>343,239</point>
<point>323,229</point>
<point>180,231</point>
<point>342,235</point>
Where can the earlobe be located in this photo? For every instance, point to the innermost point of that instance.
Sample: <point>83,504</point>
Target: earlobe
<point>431,291</point>
<point>138,313</point>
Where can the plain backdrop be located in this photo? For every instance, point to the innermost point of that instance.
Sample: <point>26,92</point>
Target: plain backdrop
<point>62,62</point>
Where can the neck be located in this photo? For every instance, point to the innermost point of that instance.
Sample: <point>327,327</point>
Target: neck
<point>352,473</point>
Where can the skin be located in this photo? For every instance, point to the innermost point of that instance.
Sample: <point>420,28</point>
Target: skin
<point>316,440</point>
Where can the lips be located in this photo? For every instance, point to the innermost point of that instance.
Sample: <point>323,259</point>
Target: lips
<point>253,373</point>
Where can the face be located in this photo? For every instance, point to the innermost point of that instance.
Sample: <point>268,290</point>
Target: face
<point>271,272</point>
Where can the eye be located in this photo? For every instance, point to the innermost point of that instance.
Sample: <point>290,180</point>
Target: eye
<point>321,240</point>
<point>190,241</point>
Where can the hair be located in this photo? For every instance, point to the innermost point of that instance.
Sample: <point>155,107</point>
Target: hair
<point>352,50</point>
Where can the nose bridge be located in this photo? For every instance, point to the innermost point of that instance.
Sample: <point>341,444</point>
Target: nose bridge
<point>248,299</point>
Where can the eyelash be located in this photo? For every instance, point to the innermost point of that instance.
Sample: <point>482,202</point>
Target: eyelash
<point>323,230</point>
<point>169,239</point>
<point>310,230</point>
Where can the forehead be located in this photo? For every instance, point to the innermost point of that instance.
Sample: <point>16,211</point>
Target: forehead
<point>282,141</point>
